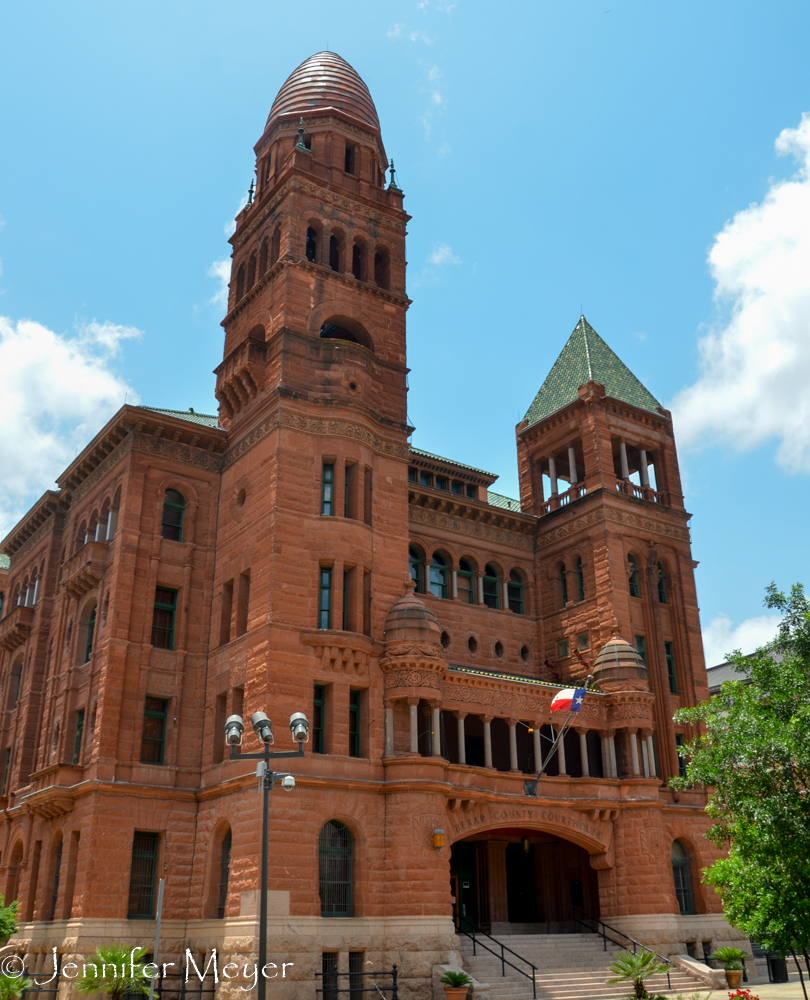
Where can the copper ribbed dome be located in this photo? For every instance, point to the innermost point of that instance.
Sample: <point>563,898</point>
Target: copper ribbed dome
<point>325,81</point>
<point>410,618</point>
<point>617,660</point>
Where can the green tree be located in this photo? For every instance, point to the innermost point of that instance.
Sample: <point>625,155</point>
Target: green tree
<point>753,753</point>
<point>635,968</point>
<point>115,971</point>
<point>11,987</point>
<point>8,918</point>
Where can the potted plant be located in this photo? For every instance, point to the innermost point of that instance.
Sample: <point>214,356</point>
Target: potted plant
<point>635,968</point>
<point>455,985</point>
<point>732,961</point>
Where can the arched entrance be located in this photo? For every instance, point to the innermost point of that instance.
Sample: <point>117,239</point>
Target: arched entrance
<point>518,881</point>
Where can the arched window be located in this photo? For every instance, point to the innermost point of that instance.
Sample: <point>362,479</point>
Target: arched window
<point>515,592</point>
<point>263,253</point>
<point>224,874</point>
<point>415,564</point>
<point>251,272</point>
<point>382,268</point>
<point>240,282</point>
<point>357,261</point>
<point>335,862</point>
<point>633,576</point>
<point>580,580</point>
<point>466,582</point>
<point>334,253</point>
<point>343,328</point>
<point>275,245</point>
<point>13,883</point>
<point>682,874</point>
<point>491,596</point>
<point>662,586</point>
<point>438,576</point>
<point>563,585</point>
<point>91,628</point>
<point>312,245</point>
<point>174,508</point>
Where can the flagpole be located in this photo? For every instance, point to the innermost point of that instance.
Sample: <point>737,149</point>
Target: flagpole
<point>530,787</point>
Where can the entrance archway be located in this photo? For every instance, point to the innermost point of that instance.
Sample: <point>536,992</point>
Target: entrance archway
<point>516,881</point>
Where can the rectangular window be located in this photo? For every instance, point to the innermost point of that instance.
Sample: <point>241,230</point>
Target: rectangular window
<point>77,740</point>
<point>349,600</point>
<point>142,876</point>
<point>681,760</point>
<point>583,641</point>
<point>226,613</point>
<point>329,973</point>
<point>163,618</point>
<point>153,739</point>
<point>243,603</point>
<point>673,680</point>
<point>348,159</point>
<point>318,717</point>
<point>413,475</point>
<point>328,489</point>
<point>350,491</point>
<point>641,648</point>
<point>354,723</point>
<point>562,649</point>
<point>325,598</point>
<point>368,491</point>
<point>425,479</point>
<point>472,492</point>
<point>6,770</point>
<point>457,488</point>
<point>441,483</point>
<point>356,969</point>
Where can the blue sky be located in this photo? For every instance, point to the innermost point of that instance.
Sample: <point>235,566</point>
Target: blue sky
<point>555,156</point>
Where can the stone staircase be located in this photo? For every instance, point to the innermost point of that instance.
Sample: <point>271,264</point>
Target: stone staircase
<point>569,967</point>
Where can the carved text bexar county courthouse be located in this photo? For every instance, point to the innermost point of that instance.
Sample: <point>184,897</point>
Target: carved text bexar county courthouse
<point>294,553</point>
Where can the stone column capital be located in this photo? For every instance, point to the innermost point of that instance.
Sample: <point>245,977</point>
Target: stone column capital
<point>461,715</point>
<point>486,719</point>
<point>413,702</point>
<point>511,723</point>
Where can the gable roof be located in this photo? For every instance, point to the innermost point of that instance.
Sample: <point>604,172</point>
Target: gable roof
<point>205,419</point>
<point>586,357</point>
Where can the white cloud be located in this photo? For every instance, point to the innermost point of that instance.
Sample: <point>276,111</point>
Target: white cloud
<point>221,270</point>
<point>442,254</point>
<point>58,391</point>
<point>755,368</point>
<point>721,636</point>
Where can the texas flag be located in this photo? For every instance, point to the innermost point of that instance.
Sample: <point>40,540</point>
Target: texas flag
<point>569,700</point>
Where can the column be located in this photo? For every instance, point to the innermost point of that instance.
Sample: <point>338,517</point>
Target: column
<point>389,729</point>
<point>572,465</point>
<point>583,752</point>
<point>651,756</point>
<point>486,719</point>
<point>480,580</point>
<point>413,705</point>
<point>552,475</point>
<point>505,598</point>
<point>112,524</point>
<point>538,752</point>
<point>634,751</point>
<point>645,479</point>
<point>612,747</point>
<point>645,758</point>
<point>513,761</point>
<point>561,757</point>
<point>603,739</point>
<point>436,731</point>
<point>462,749</point>
<point>454,583</point>
<point>623,459</point>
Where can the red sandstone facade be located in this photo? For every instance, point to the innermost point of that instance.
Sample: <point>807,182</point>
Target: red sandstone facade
<point>429,704</point>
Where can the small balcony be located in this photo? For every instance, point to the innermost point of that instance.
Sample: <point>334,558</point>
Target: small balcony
<point>16,626</point>
<point>563,499</point>
<point>83,570</point>
<point>630,489</point>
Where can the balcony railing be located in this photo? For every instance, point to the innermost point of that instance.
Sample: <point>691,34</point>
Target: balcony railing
<point>85,568</point>
<point>563,499</point>
<point>629,488</point>
<point>16,626</point>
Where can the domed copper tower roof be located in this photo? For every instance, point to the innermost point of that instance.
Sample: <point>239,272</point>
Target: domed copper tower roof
<point>617,661</point>
<point>411,619</point>
<point>325,81</point>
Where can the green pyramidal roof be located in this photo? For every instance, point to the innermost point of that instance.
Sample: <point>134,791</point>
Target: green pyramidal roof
<point>586,357</point>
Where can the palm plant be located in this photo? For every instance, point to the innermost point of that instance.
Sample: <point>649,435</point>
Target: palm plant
<point>455,979</point>
<point>635,968</point>
<point>730,958</point>
<point>11,987</point>
<point>116,971</point>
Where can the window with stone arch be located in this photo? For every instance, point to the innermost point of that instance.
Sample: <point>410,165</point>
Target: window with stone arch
<point>632,576</point>
<point>358,259</point>
<point>250,277</point>
<point>275,246</point>
<point>336,240</point>
<point>438,575</point>
<point>465,578</point>
<point>682,875</point>
<point>240,282</point>
<point>335,869</point>
<point>662,585</point>
<point>416,564</point>
<point>174,512</point>
<point>313,242</point>
<point>264,253</point>
<point>382,268</point>
<point>514,590</point>
<point>491,587</point>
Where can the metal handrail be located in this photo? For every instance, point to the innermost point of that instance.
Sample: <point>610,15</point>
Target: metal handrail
<point>606,936</point>
<point>471,934</point>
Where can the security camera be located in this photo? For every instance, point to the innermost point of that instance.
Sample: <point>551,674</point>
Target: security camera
<point>299,727</point>
<point>288,782</point>
<point>233,730</point>
<point>262,726</point>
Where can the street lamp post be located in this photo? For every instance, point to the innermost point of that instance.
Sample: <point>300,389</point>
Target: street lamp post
<point>299,728</point>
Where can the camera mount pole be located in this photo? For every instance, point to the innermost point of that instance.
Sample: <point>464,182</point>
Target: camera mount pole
<point>267,784</point>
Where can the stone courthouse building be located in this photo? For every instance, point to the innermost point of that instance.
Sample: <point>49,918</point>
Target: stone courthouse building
<point>294,553</point>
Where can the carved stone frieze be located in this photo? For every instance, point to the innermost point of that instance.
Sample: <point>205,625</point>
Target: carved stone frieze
<point>177,452</point>
<point>474,529</point>
<point>640,522</point>
<point>102,469</point>
<point>412,677</point>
